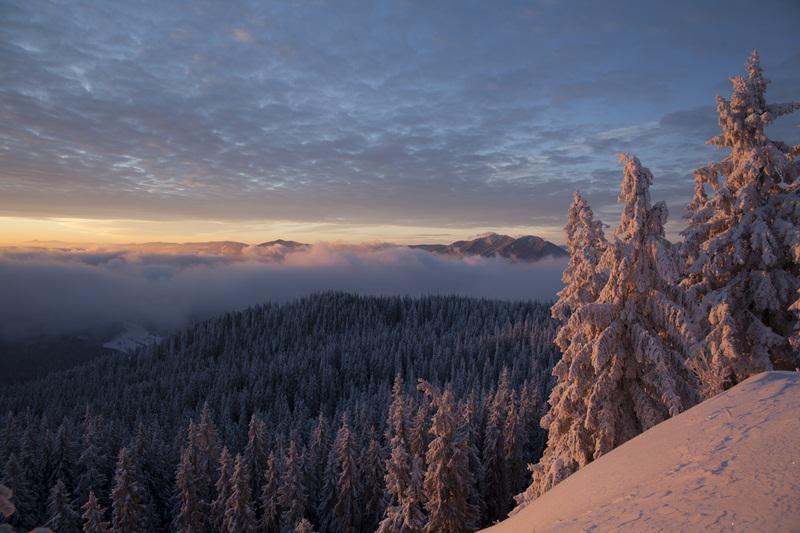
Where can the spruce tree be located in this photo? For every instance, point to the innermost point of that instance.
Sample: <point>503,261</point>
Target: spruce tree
<point>624,369</point>
<point>448,478</point>
<point>128,512</point>
<point>743,243</point>
<point>270,519</point>
<point>292,492</point>
<point>62,516</point>
<point>239,514</point>
<point>347,510</point>
<point>222,489</point>
<point>94,516</point>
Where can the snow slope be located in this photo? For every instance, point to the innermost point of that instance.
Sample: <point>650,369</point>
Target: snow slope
<point>133,338</point>
<point>728,464</point>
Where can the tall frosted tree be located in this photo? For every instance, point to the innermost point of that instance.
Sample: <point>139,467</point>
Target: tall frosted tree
<point>62,517</point>
<point>372,473</point>
<point>94,516</point>
<point>346,511</point>
<point>292,496</point>
<point>270,519</point>
<point>91,461</point>
<point>404,472</point>
<point>255,454</point>
<point>222,489</point>
<point>624,369</point>
<point>128,511</point>
<point>190,514</point>
<point>448,479</point>
<point>743,242</point>
<point>239,514</point>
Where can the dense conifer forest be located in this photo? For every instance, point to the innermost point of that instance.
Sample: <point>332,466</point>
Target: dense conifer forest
<point>267,417</point>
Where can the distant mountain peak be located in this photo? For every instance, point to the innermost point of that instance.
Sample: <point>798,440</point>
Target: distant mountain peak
<point>528,248</point>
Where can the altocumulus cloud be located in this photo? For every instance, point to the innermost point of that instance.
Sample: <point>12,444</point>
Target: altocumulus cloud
<point>64,291</point>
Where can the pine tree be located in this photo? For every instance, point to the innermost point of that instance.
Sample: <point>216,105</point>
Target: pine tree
<point>128,512</point>
<point>255,454</point>
<point>189,516</point>
<point>94,516</point>
<point>372,472</point>
<point>346,511</point>
<point>292,492</point>
<point>17,479</point>
<point>448,479</point>
<point>585,243</point>
<point>269,497</point>
<point>91,462</point>
<point>624,369</point>
<point>62,517</point>
<point>743,242</point>
<point>404,473</point>
<point>239,514</point>
<point>222,489</point>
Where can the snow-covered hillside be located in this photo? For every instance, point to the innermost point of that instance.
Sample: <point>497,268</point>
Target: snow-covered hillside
<point>134,337</point>
<point>728,464</point>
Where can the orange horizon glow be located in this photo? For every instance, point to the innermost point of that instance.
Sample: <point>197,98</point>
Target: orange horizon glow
<point>22,231</point>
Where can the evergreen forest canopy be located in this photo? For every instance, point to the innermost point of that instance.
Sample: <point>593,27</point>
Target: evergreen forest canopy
<point>305,387</point>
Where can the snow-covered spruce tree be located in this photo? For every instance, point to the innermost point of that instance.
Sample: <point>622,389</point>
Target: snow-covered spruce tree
<point>91,462</point>
<point>189,516</point>
<point>346,511</point>
<point>270,522</point>
<point>128,511</point>
<point>292,492</point>
<point>17,479</point>
<point>624,369</point>
<point>372,472</point>
<point>304,526</point>
<point>495,486</point>
<point>94,516</point>
<point>448,479</point>
<point>585,243</point>
<point>239,514</point>
<point>404,472</point>
<point>255,455</point>
<point>62,517</point>
<point>743,242</point>
<point>222,489</point>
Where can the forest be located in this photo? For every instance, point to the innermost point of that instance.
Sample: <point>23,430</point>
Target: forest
<point>296,408</point>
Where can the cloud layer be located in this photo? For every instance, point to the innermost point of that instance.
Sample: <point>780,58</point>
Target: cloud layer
<point>440,114</point>
<point>66,291</point>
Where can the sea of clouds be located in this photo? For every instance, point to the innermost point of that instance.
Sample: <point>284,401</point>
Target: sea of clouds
<point>46,291</point>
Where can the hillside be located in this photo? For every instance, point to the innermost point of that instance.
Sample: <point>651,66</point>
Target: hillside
<point>728,464</point>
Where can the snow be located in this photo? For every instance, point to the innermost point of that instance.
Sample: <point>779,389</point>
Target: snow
<point>728,464</point>
<point>134,337</point>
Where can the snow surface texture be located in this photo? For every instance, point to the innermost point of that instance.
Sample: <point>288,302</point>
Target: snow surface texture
<point>728,464</point>
<point>133,338</point>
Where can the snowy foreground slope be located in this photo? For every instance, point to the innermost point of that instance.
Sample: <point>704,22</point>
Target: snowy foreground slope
<point>728,464</point>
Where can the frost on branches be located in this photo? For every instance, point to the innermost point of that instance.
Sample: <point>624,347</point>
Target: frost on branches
<point>743,243</point>
<point>623,365</point>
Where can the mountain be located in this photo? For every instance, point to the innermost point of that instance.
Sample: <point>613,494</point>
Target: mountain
<point>292,245</point>
<point>523,249</point>
<point>728,464</point>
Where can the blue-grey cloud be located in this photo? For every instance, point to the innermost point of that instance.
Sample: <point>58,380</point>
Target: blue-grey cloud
<point>410,112</point>
<point>55,292</point>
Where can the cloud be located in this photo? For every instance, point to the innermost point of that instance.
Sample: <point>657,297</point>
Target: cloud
<point>48,291</point>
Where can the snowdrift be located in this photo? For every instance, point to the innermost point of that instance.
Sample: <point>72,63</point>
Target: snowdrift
<point>728,464</point>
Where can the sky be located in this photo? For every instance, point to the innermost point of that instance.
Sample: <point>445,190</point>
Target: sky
<point>403,121</point>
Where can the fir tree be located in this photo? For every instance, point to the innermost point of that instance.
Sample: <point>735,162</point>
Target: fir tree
<point>743,242</point>
<point>292,492</point>
<point>624,369</point>
<point>269,497</point>
<point>189,516</point>
<point>222,489</point>
<point>239,514</point>
<point>346,511</point>
<point>128,512</point>
<point>62,517</point>
<point>94,516</point>
<point>448,478</point>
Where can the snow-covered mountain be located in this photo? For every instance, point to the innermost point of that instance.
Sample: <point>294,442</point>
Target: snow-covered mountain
<point>133,337</point>
<point>728,464</point>
<point>526,249</point>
